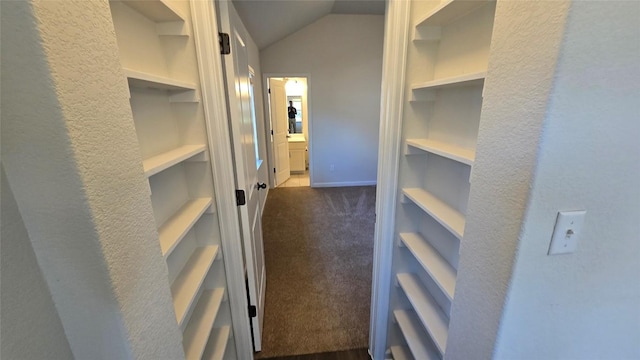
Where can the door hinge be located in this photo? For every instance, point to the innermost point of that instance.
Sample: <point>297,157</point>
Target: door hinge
<point>274,170</point>
<point>269,90</point>
<point>253,311</point>
<point>271,132</point>
<point>225,45</point>
<point>240,198</point>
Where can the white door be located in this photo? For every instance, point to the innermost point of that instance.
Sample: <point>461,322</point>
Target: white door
<point>280,122</point>
<point>246,166</point>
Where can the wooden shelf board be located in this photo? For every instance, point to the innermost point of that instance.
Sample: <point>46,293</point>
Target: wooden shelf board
<point>174,229</point>
<point>442,273</point>
<point>165,160</point>
<point>441,148</point>
<point>401,353</point>
<point>450,82</point>
<point>415,336</point>
<point>444,214</point>
<point>433,319</point>
<point>142,80</point>
<point>155,10</point>
<point>217,344</point>
<point>185,287</point>
<point>199,328</point>
<point>448,11</point>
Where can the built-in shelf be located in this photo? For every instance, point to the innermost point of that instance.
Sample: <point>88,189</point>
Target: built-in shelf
<point>217,344</point>
<point>433,319</point>
<point>179,91</point>
<point>415,335</point>
<point>186,286</point>
<point>155,10</point>
<point>442,273</point>
<point>441,148</point>
<point>174,229</point>
<point>451,82</point>
<point>444,214</point>
<point>166,160</point>
<point>401,353</point>
<point>196,334</point>
<point>448,11</point>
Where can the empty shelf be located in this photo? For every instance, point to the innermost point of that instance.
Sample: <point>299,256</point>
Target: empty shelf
<point>139,79</point>
<point>401,353</point>
<point>155,10</point>
<point>217,343</point>
<point>165,160</point>
<point>185,287</point>
<point>415,336</point>
<point>448,11</point>
<point>174,229</point>
<point>444,214</point>
<point>441,148</point>
<point>442,273</point>
<point>197,332</point>
<point>433,319</point>
<point>450,82</point>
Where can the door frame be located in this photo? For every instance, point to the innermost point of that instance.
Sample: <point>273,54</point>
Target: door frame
<point>267,121</point>
<point>396,39</point>
<point>205,28</point>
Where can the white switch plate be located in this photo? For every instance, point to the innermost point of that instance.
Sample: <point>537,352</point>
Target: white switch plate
<point>567,231</point>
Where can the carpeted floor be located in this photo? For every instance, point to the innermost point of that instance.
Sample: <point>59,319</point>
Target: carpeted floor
<point>318,252</point>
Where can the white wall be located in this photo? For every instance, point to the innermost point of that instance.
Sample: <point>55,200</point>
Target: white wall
<point>26,309</point>
<point>343,56</point>
<point>585,305</point>
<point>559,131</point>
<point>72,160</point>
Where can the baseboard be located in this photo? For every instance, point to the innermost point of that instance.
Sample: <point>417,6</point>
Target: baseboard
<point>344,183</point>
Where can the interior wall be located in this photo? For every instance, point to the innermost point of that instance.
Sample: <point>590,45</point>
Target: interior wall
<point>71,157</point>
<point>26,307</point>
<point>584,305</point>
<point>343,56</point>
<point>525,45</point>
<point>254,62</point>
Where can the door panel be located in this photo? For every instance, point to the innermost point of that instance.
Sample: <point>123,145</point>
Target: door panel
<point>280,122</point>
<point>245,165</point>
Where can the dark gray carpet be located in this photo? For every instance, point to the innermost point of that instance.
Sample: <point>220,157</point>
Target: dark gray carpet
<point>318,252</point>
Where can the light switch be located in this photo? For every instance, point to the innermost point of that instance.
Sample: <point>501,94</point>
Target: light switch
<point>567,231</point>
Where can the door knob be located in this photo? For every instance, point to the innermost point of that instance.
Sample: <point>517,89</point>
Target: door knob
<point>261,185</point>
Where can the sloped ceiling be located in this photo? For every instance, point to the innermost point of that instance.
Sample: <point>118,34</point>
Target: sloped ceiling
<point>271,20</point>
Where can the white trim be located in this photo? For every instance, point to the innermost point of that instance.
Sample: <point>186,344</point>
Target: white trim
<point>205,27</point>
<point>345,183</point>
<point>391,105</point>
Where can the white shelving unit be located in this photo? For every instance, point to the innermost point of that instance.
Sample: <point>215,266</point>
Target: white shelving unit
<point>159,61</point>
<point>197,332</point>
<point>446,68</point>
<point>166,160</point>
<point>414,335</point>
<point>442,273</point>
<point>447,216</point>
<point>175,229</point>
<point>217,343</point>
<point>440,148</point>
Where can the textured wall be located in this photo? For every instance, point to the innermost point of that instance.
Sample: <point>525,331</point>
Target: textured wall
<point>73,163</point>
<point>26,307</point>
<point>585,305</point>
<point>343,56</point>
<point>525,44</point>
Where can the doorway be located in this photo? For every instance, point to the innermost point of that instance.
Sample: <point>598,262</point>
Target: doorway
<point>288,115</point>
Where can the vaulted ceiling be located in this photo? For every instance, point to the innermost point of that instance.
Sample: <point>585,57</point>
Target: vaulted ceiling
<point>271,20</point>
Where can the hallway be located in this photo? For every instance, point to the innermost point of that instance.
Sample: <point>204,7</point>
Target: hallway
<point>318,250</point>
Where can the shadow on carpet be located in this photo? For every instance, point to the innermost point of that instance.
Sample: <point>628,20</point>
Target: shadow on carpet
<point>318,246</point>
